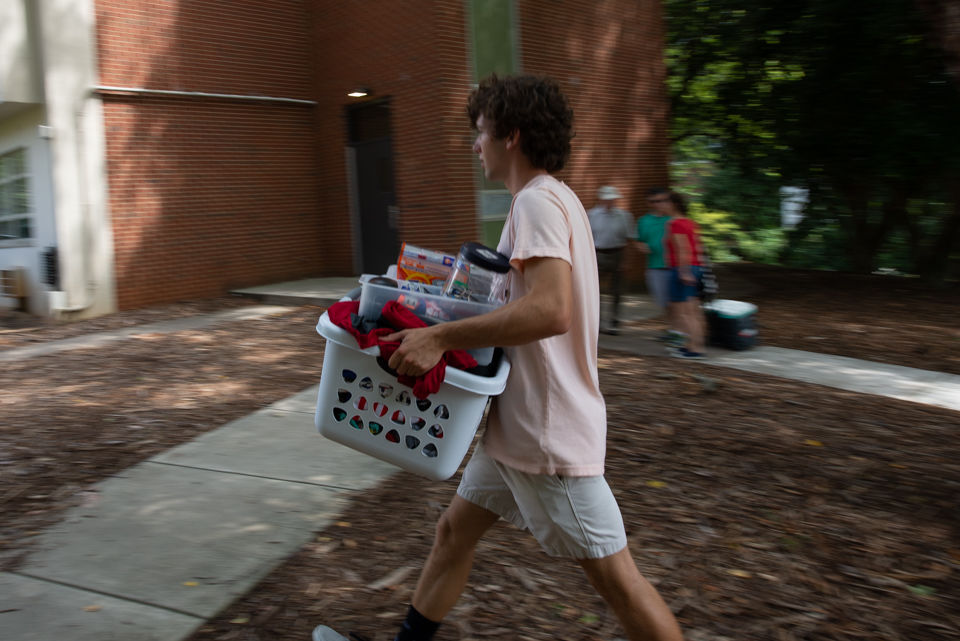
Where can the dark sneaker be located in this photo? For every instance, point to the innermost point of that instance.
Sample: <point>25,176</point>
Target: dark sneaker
<point>683,352</point>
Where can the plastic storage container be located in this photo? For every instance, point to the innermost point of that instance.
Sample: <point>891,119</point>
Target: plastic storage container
<point>478,274</point>
<point>731,324</point>
<point>363,407</point>
<point>427,307</point>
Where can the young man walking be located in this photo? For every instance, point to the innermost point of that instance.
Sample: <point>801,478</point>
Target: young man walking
<point>541,459</point>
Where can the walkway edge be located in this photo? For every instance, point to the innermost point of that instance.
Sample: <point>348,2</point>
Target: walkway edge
<point>99,339</point>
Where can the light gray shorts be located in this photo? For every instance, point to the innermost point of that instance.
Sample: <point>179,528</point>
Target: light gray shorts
<point>570,516</point>
<point>658,285</point>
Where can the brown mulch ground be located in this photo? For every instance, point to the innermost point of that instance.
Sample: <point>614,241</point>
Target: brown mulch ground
<point>71,419</point>
<point>762,508</point>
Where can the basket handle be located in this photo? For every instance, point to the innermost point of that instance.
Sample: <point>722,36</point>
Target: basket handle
<point>382,362</point>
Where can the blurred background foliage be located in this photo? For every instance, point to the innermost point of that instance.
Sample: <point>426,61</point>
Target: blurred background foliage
<point>857,103</point>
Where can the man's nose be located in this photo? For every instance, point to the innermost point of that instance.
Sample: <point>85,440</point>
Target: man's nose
<point>476,145</point>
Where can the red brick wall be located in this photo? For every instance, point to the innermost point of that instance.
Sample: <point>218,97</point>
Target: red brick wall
<point>608,57</point>
<point>415,54</point>
<point>208,194</point>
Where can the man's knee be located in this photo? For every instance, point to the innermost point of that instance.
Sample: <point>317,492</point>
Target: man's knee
<point>446,531</point>
<point>614,576</point>
<point>459,529</point>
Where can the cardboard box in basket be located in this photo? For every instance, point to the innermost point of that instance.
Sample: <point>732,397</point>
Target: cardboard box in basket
<point>363,406</point>
<point>423,265</point>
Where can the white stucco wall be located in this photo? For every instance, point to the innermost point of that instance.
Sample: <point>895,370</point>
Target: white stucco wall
<point>51,70</point>
<point>19,66</point>
<point>84,237</point>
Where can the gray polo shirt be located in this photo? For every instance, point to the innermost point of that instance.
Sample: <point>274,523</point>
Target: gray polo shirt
<point>612,228</point>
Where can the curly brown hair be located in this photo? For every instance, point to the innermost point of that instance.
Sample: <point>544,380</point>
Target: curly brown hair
<point>533,105</point>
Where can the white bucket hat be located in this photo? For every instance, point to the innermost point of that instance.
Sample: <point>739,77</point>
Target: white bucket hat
<point>608,192</point>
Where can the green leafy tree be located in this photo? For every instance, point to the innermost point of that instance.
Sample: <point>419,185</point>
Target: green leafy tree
<point>852,100</point>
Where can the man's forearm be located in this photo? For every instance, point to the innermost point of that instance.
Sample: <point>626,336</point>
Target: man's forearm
<point>522,321</point>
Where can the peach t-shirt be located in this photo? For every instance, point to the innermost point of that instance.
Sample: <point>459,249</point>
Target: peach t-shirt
<point>551,418</point>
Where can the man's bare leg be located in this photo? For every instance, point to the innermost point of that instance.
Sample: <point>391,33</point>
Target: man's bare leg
<point>637,604</point>
<point>445,573</point>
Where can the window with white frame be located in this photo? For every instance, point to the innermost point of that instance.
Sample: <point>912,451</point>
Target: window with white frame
<point>16,217</point>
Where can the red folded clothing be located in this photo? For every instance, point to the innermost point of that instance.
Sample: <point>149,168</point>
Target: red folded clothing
<point>398,317</point>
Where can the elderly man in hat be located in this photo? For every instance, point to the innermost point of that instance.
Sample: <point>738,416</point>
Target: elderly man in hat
<point>612,229</point>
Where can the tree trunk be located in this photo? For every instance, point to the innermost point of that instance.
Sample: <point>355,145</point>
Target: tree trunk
<point>947,241</point>
<point>943,16</point>
<point>865,238</point>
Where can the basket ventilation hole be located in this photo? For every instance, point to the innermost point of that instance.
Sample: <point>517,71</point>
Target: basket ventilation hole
<point>398,417</point>
<point>356,422</point>
<point>423,404</point>
<point>435,431</point>
<point>404,397</point>
<point>412,442</point>
<point>385,390</point>
<point>343,395</point>
<point>380,409</point>
<point>349,375</point>
<point>441,412</point>
<point>366,383</point>
<point>430,451</point>
<point>418,424</point>
<point>361,403</point>
<point>375,428</point>
<point>339,414</point>
<point>393,436</point>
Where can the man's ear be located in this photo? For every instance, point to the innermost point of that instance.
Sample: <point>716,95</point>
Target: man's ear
<point>513,139</point>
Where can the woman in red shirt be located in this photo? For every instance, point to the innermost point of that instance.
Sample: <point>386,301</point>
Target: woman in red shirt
<point>683,249</point>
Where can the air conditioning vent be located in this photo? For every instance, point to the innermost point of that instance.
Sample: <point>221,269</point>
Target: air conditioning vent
<point>50,262</point>
<point>13,283</point>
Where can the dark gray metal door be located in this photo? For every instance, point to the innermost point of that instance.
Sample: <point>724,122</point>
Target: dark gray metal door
<point>375,195</point>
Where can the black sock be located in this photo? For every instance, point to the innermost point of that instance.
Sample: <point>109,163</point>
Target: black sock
<point>417,627</point>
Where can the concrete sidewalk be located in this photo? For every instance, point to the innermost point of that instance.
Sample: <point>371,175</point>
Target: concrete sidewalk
<point>165,545</point>
<point>168,543</point>
<point>866,377</point>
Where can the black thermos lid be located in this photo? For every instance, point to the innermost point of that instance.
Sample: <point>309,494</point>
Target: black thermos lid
<point>485,257</point>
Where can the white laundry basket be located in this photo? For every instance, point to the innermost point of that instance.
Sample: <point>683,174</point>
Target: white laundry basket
<point>363,407</point>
